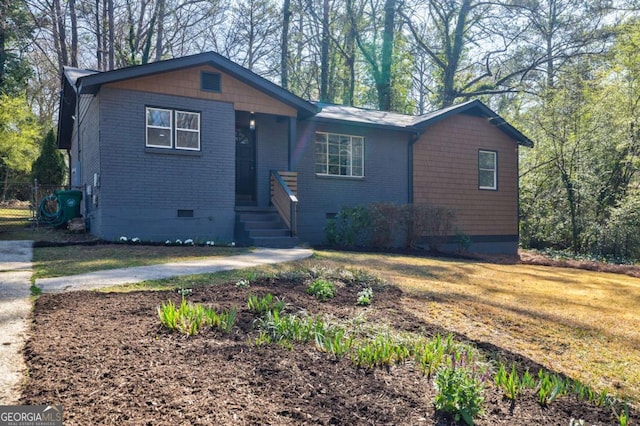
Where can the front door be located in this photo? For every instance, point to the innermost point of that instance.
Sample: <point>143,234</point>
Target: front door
<point>245,166</point>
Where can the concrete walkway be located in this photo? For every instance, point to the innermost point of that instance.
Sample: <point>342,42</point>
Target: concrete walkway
<point>113,277</point>
<point>15,307</point>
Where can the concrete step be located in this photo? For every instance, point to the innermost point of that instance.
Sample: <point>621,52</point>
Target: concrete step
<point>262,224</point>
<point>272,232</point>
<point>265,216</point>
<point>275,242</point>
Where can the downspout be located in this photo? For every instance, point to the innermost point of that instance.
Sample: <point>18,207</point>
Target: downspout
<point>78,119</point>
<point>518,193</point>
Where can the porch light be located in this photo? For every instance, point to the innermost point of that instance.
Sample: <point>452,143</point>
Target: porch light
<point>252,122</point>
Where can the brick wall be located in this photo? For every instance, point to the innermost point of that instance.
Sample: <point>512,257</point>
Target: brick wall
<point>385,169</point>
<point>142,189</point>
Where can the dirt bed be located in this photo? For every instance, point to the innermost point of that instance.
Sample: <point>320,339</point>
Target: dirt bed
<point>106,358</point>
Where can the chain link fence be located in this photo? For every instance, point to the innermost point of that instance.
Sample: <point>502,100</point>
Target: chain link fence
<point>19,204</point>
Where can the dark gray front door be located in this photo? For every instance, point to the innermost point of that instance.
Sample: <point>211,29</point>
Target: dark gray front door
<point>245,166</point>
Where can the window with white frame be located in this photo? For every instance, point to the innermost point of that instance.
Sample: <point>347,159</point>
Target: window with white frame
<point>339,155</point>
<point>159,129</point>
<point>187,130</point>
<point>168,128</point>
<point>487,170</point>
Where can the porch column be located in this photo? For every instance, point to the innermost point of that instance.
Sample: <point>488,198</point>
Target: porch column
<point>291,141</point>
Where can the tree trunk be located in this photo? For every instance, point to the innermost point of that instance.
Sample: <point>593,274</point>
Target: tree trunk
<point>324,53</point>
<point>3,29</point>
<point>111,48</point>
<point>74,33</point>
<point>160,34</point>
<point>59,35</point>
<point>99,46</point>
<point>384,83</point>
<point>284,46</point>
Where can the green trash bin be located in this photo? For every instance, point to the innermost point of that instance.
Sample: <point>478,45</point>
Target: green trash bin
<point>70,202</point>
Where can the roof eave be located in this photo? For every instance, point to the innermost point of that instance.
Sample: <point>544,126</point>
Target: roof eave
<point>327,120</point>
<point>477,108</point>
<point>92,83</point>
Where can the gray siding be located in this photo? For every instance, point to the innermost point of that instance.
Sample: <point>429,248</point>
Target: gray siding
<point>89,145</point>
<point>142,189</point>
<point>271,152</point>
<point>385,180</point>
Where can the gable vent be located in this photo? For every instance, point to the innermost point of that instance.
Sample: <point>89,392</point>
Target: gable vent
<point>210,81</point>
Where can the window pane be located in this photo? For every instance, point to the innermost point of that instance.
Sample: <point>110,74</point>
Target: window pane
<point>187,140</point>
<point>487,160</point>
<point>187,120</point>
<point>356,170</point>
<point>158,137</point>
<point>158,117</point>
<point>487,179</point>
<point>321,168</point>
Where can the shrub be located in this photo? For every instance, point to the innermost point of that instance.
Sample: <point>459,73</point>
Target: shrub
<point>434,223</point>
<point>322,289</point>
<point>350,227</point>
<point>385,225</point>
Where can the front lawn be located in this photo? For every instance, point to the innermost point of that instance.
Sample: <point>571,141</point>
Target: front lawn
<point>93,348</point>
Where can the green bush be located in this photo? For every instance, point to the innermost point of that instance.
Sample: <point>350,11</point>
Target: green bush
<point>350,228</point>
<point>459,393</point>
<point>322,289</point>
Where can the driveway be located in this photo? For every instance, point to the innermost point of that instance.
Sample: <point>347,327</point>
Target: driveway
<point>15,307</point>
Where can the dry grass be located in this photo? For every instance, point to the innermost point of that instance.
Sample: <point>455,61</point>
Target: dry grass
<point>581,323</point>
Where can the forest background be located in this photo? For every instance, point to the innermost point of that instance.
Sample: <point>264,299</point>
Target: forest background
<point>564,72</point>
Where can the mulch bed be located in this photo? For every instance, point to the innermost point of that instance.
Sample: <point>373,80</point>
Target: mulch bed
<point>106,358</point>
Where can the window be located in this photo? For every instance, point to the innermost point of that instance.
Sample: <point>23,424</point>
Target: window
<point>161,129</point>
<point>339,155</point>
<point>187,130</point>
<point>487,170</point>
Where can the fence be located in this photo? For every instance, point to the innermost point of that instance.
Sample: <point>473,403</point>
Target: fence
<point>19,203</point>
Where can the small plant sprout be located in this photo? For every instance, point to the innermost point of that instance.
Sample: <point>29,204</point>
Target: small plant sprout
<point>135,240</point>
<point>189,319</point>
<point>168,242</point>
<point>322,289</point>
<point>233,243</point>
<point>365,296</point>
<point>123,239</point>
<point>242,284</point>
<point>178,241</point>
<point>188,241</point>
<point>264,304</point>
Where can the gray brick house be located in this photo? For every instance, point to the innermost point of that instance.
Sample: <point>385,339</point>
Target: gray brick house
<point>200,147</point>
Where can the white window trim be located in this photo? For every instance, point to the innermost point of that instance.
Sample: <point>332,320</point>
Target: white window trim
<point>149,126</point>
<point>494,170</point>
<point>326,142</point>
<point>187,130</point>
<point>172,129</point>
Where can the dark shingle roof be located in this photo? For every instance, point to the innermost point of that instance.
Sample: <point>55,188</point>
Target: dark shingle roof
<point>77,81</point>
